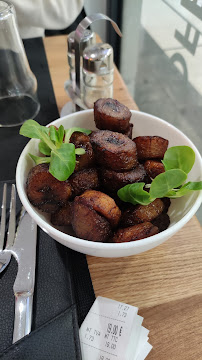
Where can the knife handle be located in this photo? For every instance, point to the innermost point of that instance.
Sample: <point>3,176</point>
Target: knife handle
<point>23,315</point>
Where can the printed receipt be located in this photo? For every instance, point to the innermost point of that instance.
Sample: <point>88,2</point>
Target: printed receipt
<point>110,331</point>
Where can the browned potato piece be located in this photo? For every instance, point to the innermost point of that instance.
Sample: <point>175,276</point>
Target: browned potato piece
<point>114,150</point>
<point>81,140</point>
<point>84,180</point>
<point>63,216</point>
<point>167,203</point>
<point>87,223</point>
<point>136,214</point>
<point>154,168</point>
<point>113,180</point>
<point>104,205</point>
<point>45,191</point>
<point>129,131</point>
<point>162,222</point>
<point>110,114</point>
<point>150,147</point>
<point>135,232</point>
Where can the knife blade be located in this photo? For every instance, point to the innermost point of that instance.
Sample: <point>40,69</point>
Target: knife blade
<point>24,250</point>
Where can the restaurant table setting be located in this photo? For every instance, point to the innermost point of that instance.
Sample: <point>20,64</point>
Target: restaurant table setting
<point>82,304</point>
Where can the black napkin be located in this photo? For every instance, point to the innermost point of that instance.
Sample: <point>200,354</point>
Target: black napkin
<point>63,289</point>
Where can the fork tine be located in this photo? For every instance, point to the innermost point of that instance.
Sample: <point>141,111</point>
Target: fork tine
<point>3,217</point>
<point>12,219</point>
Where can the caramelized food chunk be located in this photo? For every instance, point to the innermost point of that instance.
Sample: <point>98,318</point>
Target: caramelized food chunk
<point>87,223</point>
<point>154,168</point>
<point>81,140</point>
<point>114,181</point>
<point>63,216</point>
<point>104,205</point>
<point>136,214</point>
<point>135,232</point>
<point>129,131</point>
<point>84,180</point>
<point>167,203</point>
<point>45,191</point>
<point>150,147</point>
<point>114,150</point>
<point>162,222</point>
<point>110,114</point>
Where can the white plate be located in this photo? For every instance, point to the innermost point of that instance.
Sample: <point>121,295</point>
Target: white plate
<point>181,210</point>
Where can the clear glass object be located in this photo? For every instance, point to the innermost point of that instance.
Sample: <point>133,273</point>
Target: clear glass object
<point>18,85</point>
<point>87,40</point>
<point>98,73</point>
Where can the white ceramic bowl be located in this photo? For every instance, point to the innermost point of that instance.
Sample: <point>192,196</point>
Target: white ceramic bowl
<point>180,211</point>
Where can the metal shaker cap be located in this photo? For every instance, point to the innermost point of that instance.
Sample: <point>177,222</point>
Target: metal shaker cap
<point>87,40</point>
<point>98,58</point>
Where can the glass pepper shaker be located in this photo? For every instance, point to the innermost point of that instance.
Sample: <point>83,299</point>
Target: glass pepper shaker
<point>88,39</point>
<point>98,73</point>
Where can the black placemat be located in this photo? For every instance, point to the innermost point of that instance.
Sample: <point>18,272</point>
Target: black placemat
<point>63,291</point>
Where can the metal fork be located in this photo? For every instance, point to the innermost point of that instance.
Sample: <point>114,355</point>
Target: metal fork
<point>5,255</point>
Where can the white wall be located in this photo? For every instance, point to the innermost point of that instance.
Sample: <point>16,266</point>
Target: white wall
<point>130,42</point>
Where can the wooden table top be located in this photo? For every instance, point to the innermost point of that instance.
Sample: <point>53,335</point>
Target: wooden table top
<point>165,282</point>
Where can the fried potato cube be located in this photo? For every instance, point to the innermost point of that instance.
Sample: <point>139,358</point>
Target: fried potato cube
<point>81,140</point>
<point>84,180</point>
<point>46,192</point>
<point>110,114</point>
<point>150,147</point>
<point>114,150</point>
<point>103,205</point>
<point>136,232</point>
<point>162,221</point>
<point>87,223</point>
<point>63,216</point>
<point>136,214</point>
<point>154,168</point>
<point>113,180</point>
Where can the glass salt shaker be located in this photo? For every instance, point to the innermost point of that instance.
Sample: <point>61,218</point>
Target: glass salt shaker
<point>87,40</point>
<point>98,73</point>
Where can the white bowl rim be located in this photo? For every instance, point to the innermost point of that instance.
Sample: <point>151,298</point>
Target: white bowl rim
<point>99,245</point>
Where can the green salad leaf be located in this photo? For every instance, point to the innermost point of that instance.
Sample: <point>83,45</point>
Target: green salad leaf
<point>177,161</point>
<point>40,160</point>
<point>63,162</point>
<point>134,194</point>
<point>165,182</point>
<point>55,145</point>
<point>179,157</point>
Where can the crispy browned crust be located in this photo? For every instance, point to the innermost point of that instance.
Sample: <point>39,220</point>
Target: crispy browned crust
<point>113,180</point>
<point>114,150</point>
<point>87,223</point>
<point>150,147</point>
<point>162,222</point>
<point>45,191</point>
<point>153,168</point>
<point>81,140</point>
<point>63,216</point>
<point>110,114</point>
<point>84,180</point>
<point>167,203</point>
<point>104,205</point>
<point>135,232</point>
<point>136,214</point>
<point>129,131</point>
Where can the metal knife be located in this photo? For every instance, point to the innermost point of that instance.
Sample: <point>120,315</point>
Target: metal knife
<point>24,250</point>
